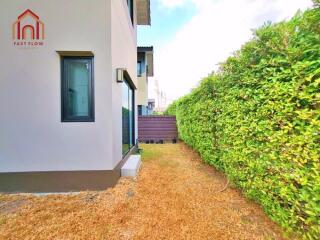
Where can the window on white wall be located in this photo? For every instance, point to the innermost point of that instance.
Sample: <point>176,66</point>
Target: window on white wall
<point>77,89</point>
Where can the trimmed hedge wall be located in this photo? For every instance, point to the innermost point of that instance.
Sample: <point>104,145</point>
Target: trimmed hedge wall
<point>258,120</point>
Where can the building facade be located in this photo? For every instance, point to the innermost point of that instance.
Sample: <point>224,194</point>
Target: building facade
<point>68,122</point>
<point>144,71</point>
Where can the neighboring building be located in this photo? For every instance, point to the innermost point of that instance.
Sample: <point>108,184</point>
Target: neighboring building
<point>144,71</point>
<point>151,106</point>
<point>67,92</point>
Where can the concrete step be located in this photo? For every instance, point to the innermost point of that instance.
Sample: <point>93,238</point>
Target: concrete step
<point>131,167</point>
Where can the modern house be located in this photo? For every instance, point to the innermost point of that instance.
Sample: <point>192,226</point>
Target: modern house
<point>68,92</point>
<point>144,71</point>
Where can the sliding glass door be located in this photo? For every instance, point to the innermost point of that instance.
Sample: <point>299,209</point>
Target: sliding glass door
<point>127,118</point>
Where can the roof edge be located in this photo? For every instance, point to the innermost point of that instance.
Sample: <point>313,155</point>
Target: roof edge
<point>145,49</point>
<point>143,12</point>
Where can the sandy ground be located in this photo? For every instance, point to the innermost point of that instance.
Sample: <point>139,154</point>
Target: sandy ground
<point>176,196</point>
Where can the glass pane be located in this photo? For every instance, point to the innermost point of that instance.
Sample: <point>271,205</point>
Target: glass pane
<point>139,69</point>
<point>130,3</point>
<point>78,78</point>
<point>131,117</point>
<point>130,8</point>
<point>125,119</point>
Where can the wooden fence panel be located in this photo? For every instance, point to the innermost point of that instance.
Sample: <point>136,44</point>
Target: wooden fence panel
<point>157,128</point>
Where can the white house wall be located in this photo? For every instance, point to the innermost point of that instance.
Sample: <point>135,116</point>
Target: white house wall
<point>124,50</point>
<point>32,136</point>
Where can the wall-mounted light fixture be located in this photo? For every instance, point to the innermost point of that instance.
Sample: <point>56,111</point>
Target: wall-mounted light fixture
<point>120,74</point>
<point>123,75</point>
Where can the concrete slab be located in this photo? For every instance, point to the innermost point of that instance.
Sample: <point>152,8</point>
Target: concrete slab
<point>131,167</point>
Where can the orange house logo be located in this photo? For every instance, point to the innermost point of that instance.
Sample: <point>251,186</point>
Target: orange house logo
<point>28,30</point>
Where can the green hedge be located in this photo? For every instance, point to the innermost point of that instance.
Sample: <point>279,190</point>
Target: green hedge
<point>258,120</point>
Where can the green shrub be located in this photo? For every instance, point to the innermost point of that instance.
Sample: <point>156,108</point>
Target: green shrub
<point>171,110</point>
<point>258,120</point>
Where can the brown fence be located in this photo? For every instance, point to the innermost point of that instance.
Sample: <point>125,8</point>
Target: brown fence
<point>157,129</point>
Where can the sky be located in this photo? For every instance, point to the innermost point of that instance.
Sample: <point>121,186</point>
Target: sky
<point>191,37</point>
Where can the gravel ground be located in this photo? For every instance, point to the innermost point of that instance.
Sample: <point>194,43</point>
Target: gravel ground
<point>176,196</point>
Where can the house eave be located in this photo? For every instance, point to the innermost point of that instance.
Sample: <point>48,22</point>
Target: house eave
<point>143,12</point>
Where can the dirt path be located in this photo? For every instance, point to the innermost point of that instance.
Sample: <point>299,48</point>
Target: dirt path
<point>175,197</point>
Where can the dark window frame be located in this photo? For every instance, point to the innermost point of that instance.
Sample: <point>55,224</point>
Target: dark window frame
<point>64,91</point>
<point>130,4</point>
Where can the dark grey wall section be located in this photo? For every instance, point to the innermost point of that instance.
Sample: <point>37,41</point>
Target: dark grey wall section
<point>55,182</point>
<point>36,182</point>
